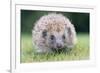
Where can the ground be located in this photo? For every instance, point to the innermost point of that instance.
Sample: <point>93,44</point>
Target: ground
<point>79,52</point>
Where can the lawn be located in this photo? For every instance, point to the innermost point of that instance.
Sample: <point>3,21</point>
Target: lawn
<point>79,52</point>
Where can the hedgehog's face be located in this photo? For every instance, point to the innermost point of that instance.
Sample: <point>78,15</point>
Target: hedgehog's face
<point>55,40</point>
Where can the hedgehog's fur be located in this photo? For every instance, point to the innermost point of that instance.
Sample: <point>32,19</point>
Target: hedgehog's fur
<point>63,31</point>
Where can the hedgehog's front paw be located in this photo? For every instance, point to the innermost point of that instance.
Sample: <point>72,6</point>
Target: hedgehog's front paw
<point>42,51</point>
<point>39,51</point>
<point>70,46</point>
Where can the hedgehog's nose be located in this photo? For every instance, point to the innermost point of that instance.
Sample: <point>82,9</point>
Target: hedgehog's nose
<point>59,46</point>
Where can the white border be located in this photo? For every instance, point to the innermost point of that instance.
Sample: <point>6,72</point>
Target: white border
<point>15,59</point>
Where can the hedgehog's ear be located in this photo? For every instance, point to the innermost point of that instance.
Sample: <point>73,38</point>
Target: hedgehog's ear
<point>69,31</point>
<point>44,33</point>
<point>71,36</point>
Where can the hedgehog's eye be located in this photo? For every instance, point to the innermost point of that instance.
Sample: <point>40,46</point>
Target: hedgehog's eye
<point>44,33</point>
<point>63,36</point>
<point>52,37</point>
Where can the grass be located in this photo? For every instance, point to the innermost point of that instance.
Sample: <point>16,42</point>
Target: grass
<point>79,52</point>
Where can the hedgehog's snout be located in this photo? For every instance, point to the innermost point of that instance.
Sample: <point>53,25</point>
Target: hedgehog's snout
<point>58,43</point>
<point>59,46</point>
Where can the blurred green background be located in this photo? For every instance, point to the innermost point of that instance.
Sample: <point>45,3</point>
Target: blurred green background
<point>79,52</point>
<point>28,18</point>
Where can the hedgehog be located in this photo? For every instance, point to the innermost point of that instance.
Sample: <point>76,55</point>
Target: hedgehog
<point>53,32</point>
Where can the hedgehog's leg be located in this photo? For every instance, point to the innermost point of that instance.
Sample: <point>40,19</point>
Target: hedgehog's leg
<point>43,49</point>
